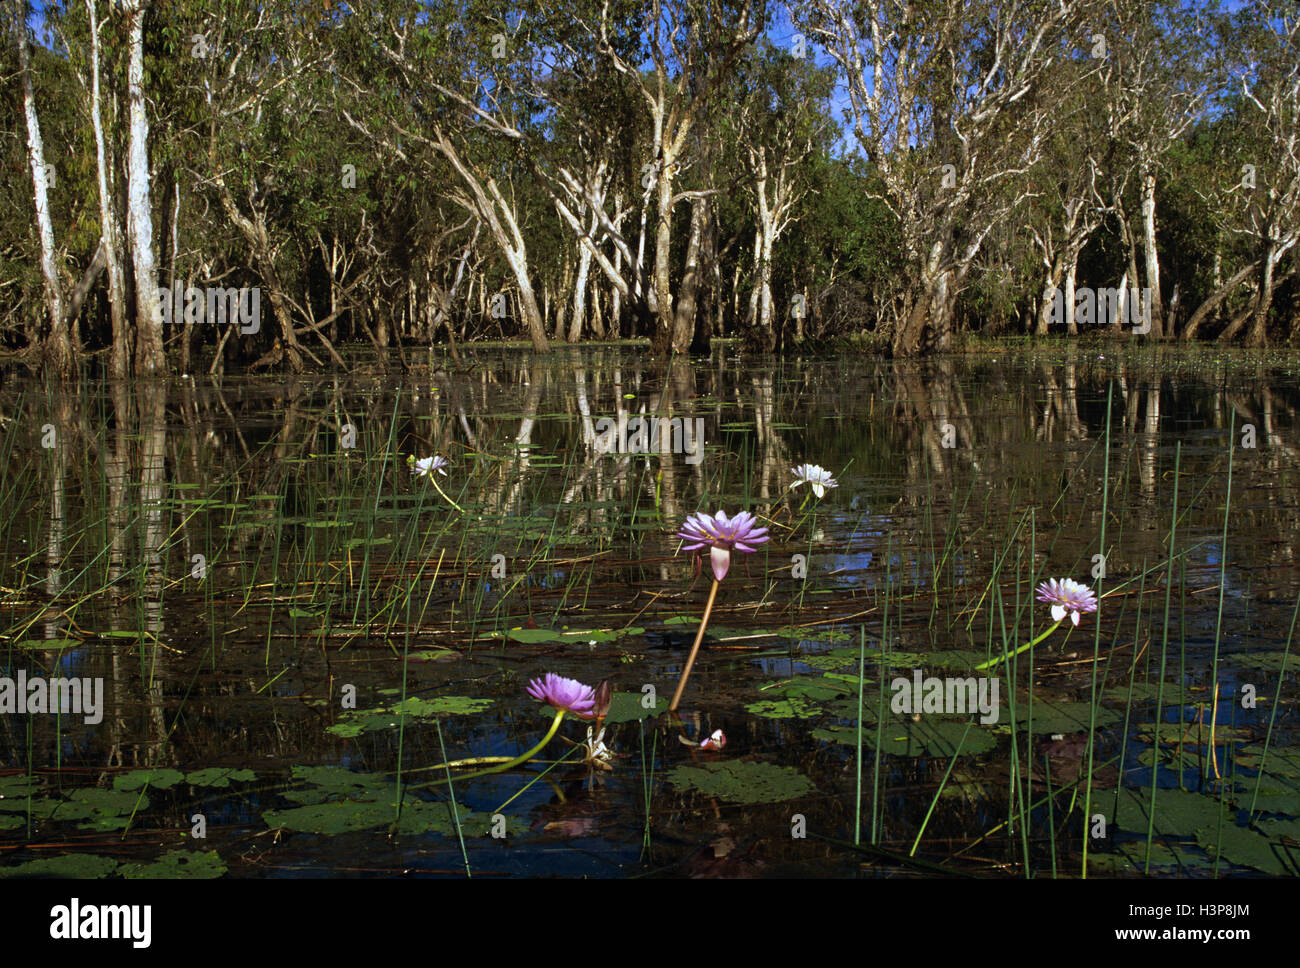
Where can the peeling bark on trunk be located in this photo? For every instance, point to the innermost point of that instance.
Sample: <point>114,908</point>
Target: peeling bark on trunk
<point>120,352</point>
<point>149,358</point>
<point>1151,257</point>
<point>684,318</point>
<point>58,347</point>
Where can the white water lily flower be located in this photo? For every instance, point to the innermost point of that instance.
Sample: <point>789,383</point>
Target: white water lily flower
<point>421,468</point>
<point>814,475</point>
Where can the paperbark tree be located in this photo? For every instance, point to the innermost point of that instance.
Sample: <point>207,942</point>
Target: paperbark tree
<point>149,358</point>
<point>58,345</point>
<point>945,102</point>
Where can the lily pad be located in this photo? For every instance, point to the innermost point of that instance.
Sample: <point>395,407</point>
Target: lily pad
<point>186,864</point>
<point>18,786</point>
<point>793,708</point>
<point>161,779</point>
<point>1177,812</point>
<point>1060,717</point>
<point>80,866</point>
<point>1243,847</point>
<point>925,737</point>
<point>343,816</point>
<point>331,782</point>
<point>742,781</point>
<point>49,645</point>
<point>355,722</point>
<point>219,777</point>
<point>626,707</point>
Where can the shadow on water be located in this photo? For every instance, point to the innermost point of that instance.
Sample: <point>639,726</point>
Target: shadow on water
<point>290,628</point>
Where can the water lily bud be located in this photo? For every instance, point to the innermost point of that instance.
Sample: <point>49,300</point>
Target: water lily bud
<point>603,695</point>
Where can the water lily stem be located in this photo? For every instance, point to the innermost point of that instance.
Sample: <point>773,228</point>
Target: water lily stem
<point>444,495</point>
<point>695,649</point>
<point>1028,645</point>
<point>501,768</point>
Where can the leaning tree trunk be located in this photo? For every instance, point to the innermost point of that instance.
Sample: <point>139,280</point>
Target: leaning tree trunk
<point>58,347</point>
<point>684,318</point>
<point>1258,335</point>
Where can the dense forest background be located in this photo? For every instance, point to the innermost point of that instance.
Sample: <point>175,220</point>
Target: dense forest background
<point>308,174</point>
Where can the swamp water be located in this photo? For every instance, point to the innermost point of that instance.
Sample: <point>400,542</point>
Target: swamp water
<point>289,628</point>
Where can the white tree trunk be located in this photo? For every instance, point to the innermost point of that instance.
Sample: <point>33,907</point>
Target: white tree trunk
<point>148,308</point>
<point>58,348</point>
<point>119,353</point>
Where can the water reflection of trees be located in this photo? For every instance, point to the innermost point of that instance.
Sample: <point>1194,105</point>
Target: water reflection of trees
<point>973,441</point>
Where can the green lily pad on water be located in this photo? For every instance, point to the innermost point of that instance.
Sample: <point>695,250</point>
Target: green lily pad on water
<point>1171,695</point>
<point>1270,661</point>
<point>626,707</point>
<point>926,737</point>
<point>161,779</point>
<point>219,777</point>
<point>1243,847</point>
<point>819,634</point>
<point>49,645</point>
<point>1060,717</point>
<point>795,707</point>
<point>537,636</point>
<point>344,816</point>
<point>332,782</point>
<point>354,722</point>
<point>18,786</point>
<point>742,781</point>
<point>1177,813</point>
<point>79,866</point>
<point>178,864</point>
<point>1130,858</point>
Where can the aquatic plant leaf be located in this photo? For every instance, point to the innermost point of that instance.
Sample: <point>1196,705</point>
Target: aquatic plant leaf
<point>12,821</point>
<point>49,645</point>
<point>331,782</point>
<point>793,708</point>
<point>343,816</point>
<point>742,781</point>
<point>817,634</point>
<point>1129,858</point>
<point>1060,717</point>
<point>18,786</point>
<point>625,707</point>
<point>179,864</point>
<point>926,737</point>
<point>532,636</point>
<point>80,866</point>
<point>1194,734</point>
<point>1269,661</point>
<point>436,655</point>
<point>1172,695</point>
<point>354,722</point>
<point>817,688</point>
<point>1243,847</point>
<point>1178,812</point>
<point>335,817</point>
<point>160,779</point>
<point>219,777</point>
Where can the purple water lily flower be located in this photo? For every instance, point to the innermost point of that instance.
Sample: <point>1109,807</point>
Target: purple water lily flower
<point>567,694</point>
<point>720,535</point>
<point>1067,596</point>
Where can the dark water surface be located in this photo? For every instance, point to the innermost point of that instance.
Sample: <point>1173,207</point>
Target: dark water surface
<point>283,617</point>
